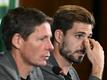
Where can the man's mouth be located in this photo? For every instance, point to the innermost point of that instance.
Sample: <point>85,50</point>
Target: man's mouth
<point>47,57</point>
<point>80,51</point>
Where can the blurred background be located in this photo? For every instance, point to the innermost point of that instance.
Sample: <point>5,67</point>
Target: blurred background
<point>96,7</point>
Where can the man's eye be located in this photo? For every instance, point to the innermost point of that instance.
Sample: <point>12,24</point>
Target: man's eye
<point>42,39</point>
<point>79,36</point>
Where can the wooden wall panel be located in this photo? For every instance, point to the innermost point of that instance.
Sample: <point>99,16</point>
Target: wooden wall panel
<point>50,6</point>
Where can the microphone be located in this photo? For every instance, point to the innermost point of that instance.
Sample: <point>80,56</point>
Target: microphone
<point>58,71</point>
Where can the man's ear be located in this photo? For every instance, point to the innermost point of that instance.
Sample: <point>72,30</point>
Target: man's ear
<point>17,40</point>
<point>58,36</point>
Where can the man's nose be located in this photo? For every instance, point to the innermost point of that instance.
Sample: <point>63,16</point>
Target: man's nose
<point>85,41</point>
<point>50,46</point>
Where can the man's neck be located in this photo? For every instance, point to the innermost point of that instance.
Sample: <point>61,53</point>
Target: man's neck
<point>23,68</point>
<point>62,62</point>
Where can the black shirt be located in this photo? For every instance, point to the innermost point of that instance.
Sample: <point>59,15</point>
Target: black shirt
<point>67,77</point>
<point>28,78</point>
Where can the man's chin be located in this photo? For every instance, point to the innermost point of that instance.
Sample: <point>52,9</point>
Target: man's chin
<point>42,64</point>
<point>78,61</point>
<point>45,63</point>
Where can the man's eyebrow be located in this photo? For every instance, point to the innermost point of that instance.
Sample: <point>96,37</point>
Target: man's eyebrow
<point>46,36</point>
<point>80,33</point>
<point>90,35</point>
<point>83,33</point>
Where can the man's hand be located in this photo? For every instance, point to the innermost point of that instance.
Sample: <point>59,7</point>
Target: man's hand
<point>95,54</point>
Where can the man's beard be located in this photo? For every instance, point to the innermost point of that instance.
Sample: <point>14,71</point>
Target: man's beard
<point>68,55</point>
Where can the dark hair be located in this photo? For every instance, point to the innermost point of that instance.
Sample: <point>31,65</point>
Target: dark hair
<point>66,15</point>
<point>23,21</point>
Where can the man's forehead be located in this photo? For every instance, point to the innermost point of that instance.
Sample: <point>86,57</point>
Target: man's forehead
<point>82,27</point>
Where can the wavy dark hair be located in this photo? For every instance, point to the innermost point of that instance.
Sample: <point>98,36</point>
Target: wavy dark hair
<point>66,15</point>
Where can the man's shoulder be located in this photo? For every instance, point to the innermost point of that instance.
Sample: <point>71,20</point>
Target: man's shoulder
<point>7,72</point>
<point>49,74</point>
<point>2,58</point>
<point>36,74</point>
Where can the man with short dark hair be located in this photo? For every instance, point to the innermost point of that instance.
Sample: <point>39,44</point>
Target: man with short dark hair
<point>26,33</point>
<point>72,40</point>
